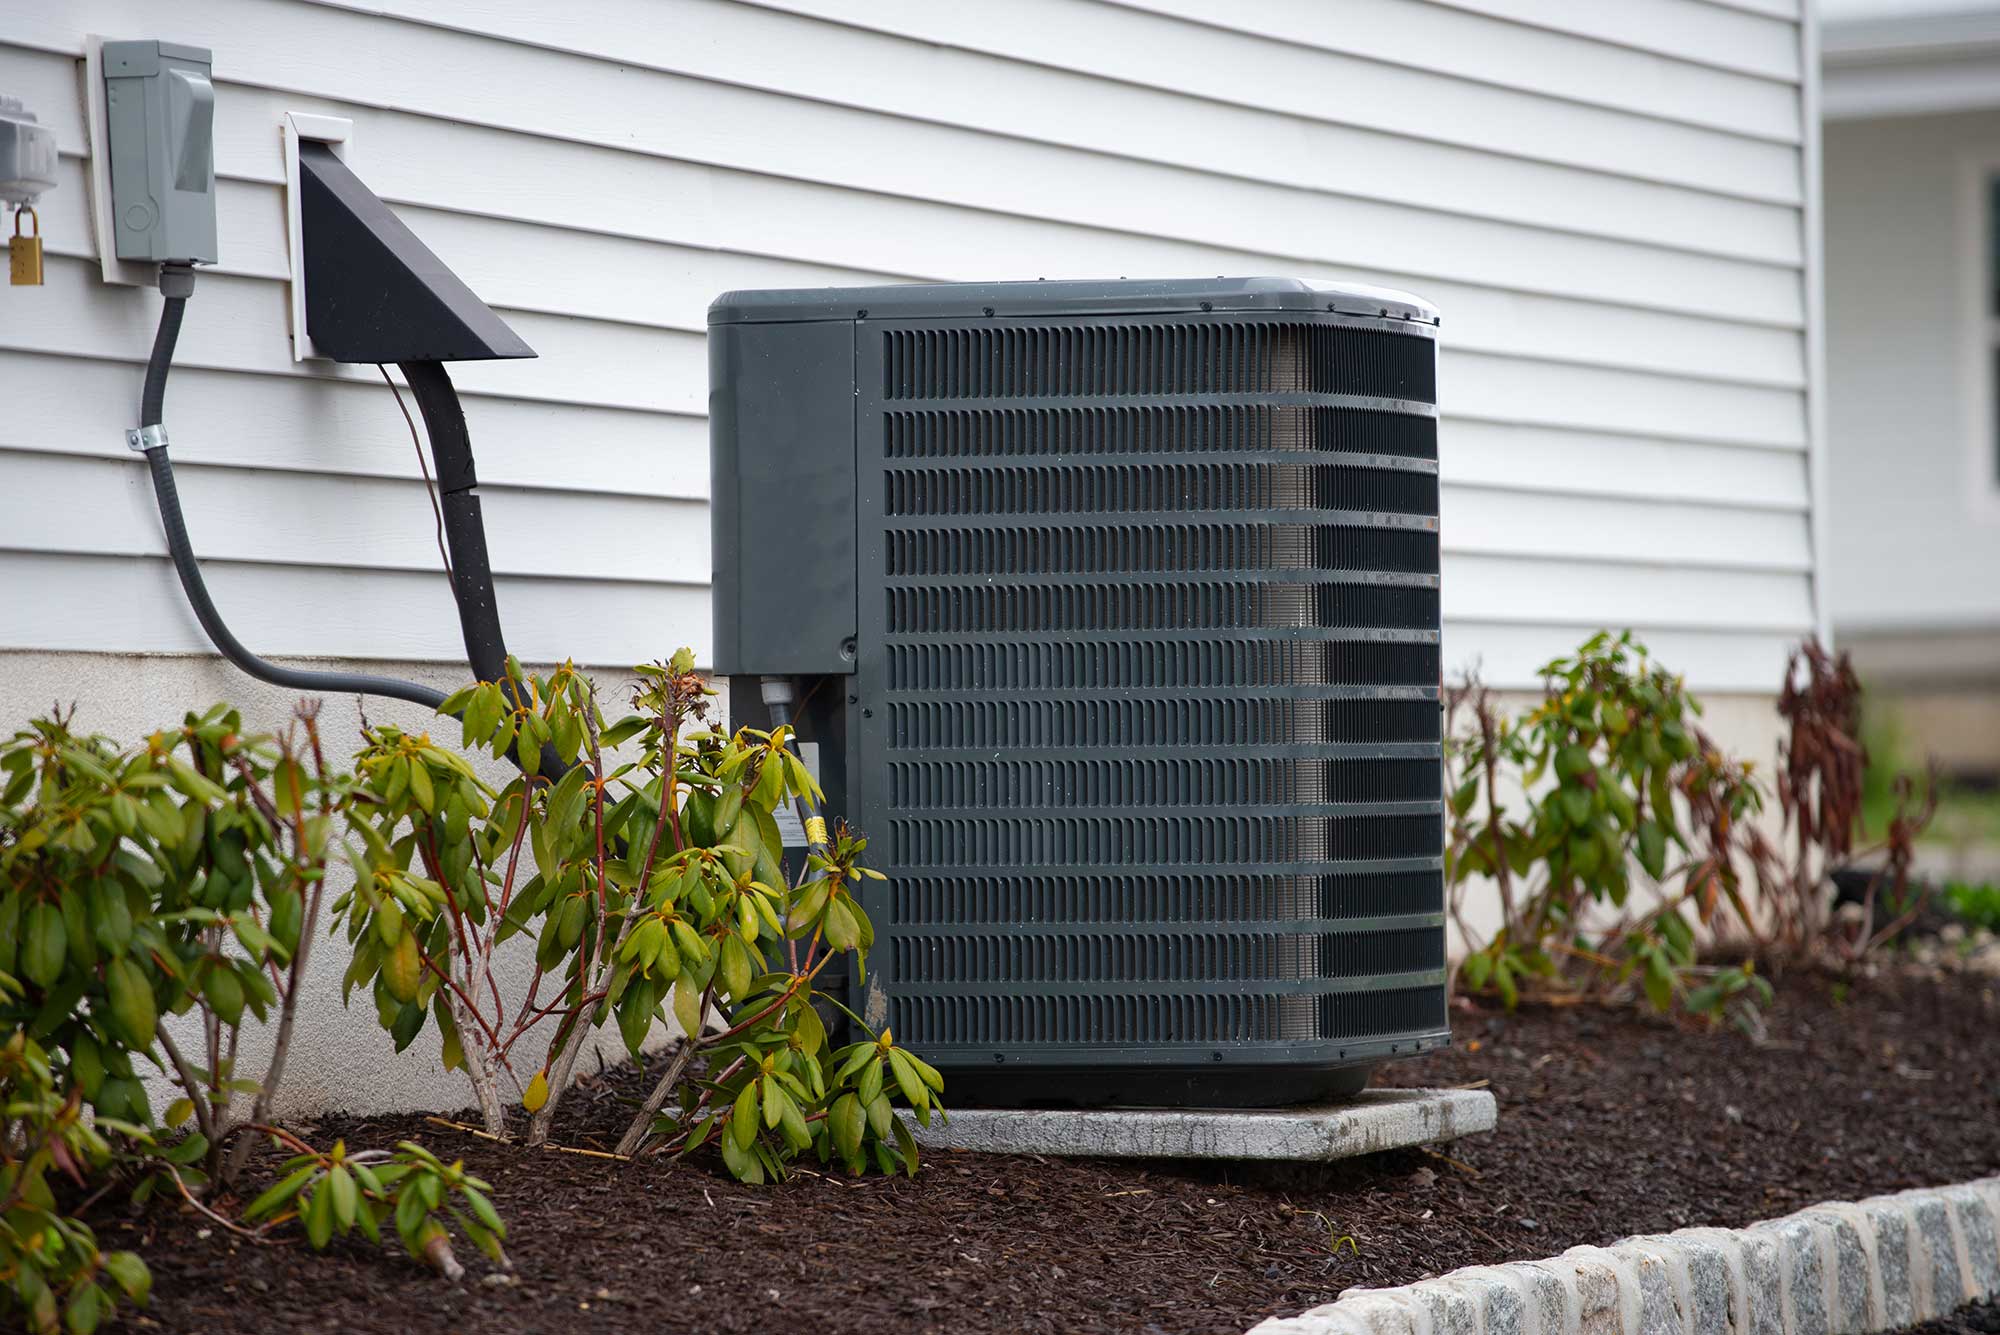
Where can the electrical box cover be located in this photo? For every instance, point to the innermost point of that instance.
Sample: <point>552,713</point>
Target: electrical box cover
<point>160,119</point>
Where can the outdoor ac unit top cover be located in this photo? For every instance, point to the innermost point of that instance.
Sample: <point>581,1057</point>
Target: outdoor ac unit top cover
<point>918,301</point>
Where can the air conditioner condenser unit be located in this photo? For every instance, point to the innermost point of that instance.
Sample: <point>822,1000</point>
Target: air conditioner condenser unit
<point>1113,613</point>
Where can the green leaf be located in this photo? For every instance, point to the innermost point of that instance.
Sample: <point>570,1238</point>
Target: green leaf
<point>926,1072</point>
<point>287,787</point>
<point>130,1274</point>
<point>483,1208</point>
<point>345,1196</point>
<point>1707,998</point>
<point>112,917</point>
<point>635,1016</point>
<point>792,1126</point>
<point>1678,936</point>
<point>623,731</point>
<point>411,1211</point>
<point>735,969</point>
<point>907,1143</point>
<point>134,1013</point>
<point>1572,761</point>
<point>842,931</point>
<point>223,991</point>
<point>1477,970</point>
<point>811,900</point>
<point>86,1309</point>
<point>743,1120</point>
<point>776,1100</point>
<point>420,784</point>
<point>1652,847</point>
<point>869,1086</point>
<point>880,1115</point>
<point>808,1029</point>
<point>907,1080</point>
<point>728,807</point>
<point>319,1217</point>
<point>687,1004</point>
<point>847,1122</point>
<point>44,945</point>
<point>276,1196</point>
<point>255,939</point>
<point>1462,800</point>
<point>1659,983</point>
<point>408,1024</point>
<point>742,1163</point>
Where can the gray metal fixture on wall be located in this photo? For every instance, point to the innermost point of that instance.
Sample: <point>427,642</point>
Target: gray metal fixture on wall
<point>1118,605</point>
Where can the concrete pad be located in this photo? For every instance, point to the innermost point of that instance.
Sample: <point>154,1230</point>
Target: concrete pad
<point>1373,1120</point>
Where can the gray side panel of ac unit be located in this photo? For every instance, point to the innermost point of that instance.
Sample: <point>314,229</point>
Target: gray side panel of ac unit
<point>781,408</point>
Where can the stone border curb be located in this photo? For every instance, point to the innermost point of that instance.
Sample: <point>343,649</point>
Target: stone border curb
<point>1834,1269</point>
<point>1372,1121</point>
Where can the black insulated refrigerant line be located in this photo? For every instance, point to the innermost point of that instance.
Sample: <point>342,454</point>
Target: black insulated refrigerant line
<point>176,283</point>
<point>465,532</point>
<point>464,527</point>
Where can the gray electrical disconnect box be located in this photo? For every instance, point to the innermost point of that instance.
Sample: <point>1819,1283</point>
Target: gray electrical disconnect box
<point>160,118</point>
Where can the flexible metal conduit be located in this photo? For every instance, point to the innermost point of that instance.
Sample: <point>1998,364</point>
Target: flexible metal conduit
<point>176,281</point>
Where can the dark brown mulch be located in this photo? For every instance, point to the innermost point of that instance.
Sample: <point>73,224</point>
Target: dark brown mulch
<point>1979,1319</point>
<point>1609,1123</point>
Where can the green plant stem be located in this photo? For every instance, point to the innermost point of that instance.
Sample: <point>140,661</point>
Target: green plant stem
<point>1503,874</point>
<point>635,1131</point>
<point>184,1076</point>
<point>562,1060</point>
<point>274,1073</point>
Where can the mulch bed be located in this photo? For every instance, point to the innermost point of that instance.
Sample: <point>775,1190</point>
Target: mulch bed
<point>1979,1319</point>
<point>1610,1123</point>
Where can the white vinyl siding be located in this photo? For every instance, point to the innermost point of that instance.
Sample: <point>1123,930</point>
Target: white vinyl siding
<point>1607,202</point>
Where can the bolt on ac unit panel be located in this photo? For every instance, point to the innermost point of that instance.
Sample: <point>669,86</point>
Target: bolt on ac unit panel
<point>1123,598</point>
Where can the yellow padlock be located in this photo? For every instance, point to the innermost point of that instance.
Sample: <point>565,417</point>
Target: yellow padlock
<point>24,253</point>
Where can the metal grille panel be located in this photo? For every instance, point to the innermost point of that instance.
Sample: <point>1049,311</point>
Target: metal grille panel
<point>1184,1016</point>
<point>1136,900</point>
<point>1153,724</point>
<point>1182,357</point>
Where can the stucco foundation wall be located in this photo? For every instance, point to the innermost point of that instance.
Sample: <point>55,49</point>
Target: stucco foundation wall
<point>341,1058</point>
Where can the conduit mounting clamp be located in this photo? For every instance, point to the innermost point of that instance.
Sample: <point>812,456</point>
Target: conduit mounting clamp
<point>140,439</point>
